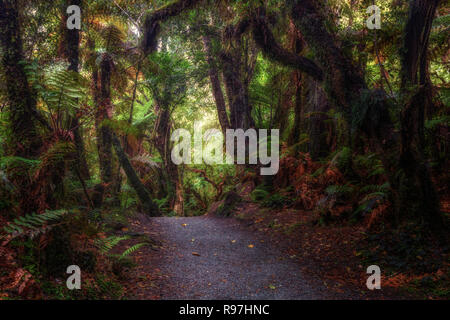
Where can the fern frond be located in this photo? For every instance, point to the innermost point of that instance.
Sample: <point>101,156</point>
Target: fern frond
<point>113,38</point>
<point>56,155</point>
<point>132,249</point>
<point>62,92</point>
<point>33,224</point>
<point>105,245</point>
<point>146,159</point>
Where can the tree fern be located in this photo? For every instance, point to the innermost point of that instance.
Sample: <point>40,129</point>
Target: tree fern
<point>113,38</point>
<point>63,90</point>
<point>56,154</point>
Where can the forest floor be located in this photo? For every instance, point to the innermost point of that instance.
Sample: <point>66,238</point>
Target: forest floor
<point>210,257</point>
<point>260,253</point>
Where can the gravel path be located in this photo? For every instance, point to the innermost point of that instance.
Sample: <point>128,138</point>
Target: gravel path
<point>217,258</point>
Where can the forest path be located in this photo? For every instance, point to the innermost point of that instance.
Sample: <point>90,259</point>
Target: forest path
<point>209,257</point>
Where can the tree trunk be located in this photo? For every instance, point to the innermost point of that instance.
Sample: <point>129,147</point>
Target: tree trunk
<point>174,187</point>
<point>216,87</point>
<point>318,106</point>
<point>369,110</point>
<point>144,197</point>
<point>26,141</point>
<point>294,136</point>
<point>236,83</point>
<point>235,90</point>
<point>102,116</point>
<point>72,43</point>
<point>416,188</point>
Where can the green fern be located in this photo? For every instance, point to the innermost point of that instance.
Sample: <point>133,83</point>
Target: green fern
<point>105,245</point>
<point>33,224</point>
<point>338,190</point>
<point>132,249</point>
<point>17,163</point>
<point>63,90</point>
<point>372,188</point>
<point>113,38</point>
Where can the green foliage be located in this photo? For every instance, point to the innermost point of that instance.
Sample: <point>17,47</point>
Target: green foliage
<point>443,120</point>
<point>58,153</point>
<point>259,194</point>
<point>60,89</point>
<point>105,245</point>
<point>103,288</point>
<point>13,163</point>
<point>343,160</point>
<point>277,201</point>
<point>167,78</point>
<point>340,191</point>
<point>132,249</point>
<point>162,202</point>
<point>64,89</point>
<point>34,224</point>
<point>112,38</point>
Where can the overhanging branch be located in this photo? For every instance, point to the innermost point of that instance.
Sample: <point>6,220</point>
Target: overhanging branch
<point>153,19</point>
<point>268,44</point>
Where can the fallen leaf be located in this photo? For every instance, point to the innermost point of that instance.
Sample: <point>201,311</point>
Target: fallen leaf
<point>196,254</point>
<point>233,241</point>
<point>271,286</point>
<point>184,224</point>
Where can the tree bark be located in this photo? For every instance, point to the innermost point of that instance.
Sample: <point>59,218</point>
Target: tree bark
<point>102,116</point>
<point>318,106</point>
<point>369,110</point>
<point>72,43</point>
<point>26,141</point>
<point>412,159</point>
<point>216,87</point>
<point>144,197</point>
<point>153,20</point>
<point>235,90</point>
<point>174,187</point>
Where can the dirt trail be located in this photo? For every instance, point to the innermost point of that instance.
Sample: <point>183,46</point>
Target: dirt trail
<point>217,258</point>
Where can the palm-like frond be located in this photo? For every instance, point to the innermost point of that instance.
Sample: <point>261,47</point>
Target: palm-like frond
<point>113,38</point>
<point>33,224</point>
<point>105,245</point>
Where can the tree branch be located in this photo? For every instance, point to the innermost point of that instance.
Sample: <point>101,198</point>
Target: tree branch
<point>152,22</point>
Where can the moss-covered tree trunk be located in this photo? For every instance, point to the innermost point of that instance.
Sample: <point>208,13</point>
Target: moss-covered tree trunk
<point>317,107</point>
<point>235,90</point>
<point>235,65</point>
<point>144,197</point>
<point>25,139</point>
<point>295,133</point>
<point>416,188</point>
<point>103,114</point>
<point>171,174</point>
<point>215,85</point>
<point>297,45</point>
<point>71,44</point>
